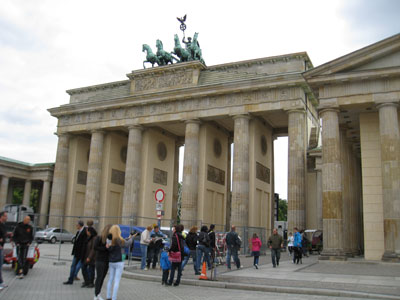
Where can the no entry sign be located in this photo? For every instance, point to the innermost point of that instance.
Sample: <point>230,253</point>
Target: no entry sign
<point>160,195</point>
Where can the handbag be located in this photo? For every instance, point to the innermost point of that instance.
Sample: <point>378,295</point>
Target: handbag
<point>176,257</point>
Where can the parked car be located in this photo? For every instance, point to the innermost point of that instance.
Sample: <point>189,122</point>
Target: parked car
<point>53,235</point>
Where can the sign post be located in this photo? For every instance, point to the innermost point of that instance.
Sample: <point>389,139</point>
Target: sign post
<point>160,196</point>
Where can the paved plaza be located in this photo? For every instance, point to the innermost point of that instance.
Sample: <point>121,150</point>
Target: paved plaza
<point>309,280</point>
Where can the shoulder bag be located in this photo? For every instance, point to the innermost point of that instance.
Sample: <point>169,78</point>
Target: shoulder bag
<point>175,257</point>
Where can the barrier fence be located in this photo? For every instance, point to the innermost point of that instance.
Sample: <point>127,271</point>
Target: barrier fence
<point>66,229</point>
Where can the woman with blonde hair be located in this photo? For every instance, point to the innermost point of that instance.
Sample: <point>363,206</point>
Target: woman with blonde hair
<point>101,260</point>
<point>116,264</point>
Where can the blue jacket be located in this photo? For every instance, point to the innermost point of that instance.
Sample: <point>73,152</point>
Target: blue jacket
<point>164,261</point>
<point>297,240</point>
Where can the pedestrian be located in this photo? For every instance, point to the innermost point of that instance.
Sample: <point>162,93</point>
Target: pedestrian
<point>211,234</point>
<point>115,246</point>
<point>3,231</point>
<point>101,263</point>
<point>165,265</point>
<point>304,243</point>
<point>155,245</point>
<point>256,246</point>
<point>176,254</point>
<point>275,243</point>
<point>22,238</point>
<point>233,244</point>
<point>203,248</point>
<point>88,259</point>
<point>191,242</point>
<point>297,252</point>
<point>77,251</point>
<point>144,244</point>
<point>290,244</point>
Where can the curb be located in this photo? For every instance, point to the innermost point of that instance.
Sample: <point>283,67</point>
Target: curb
<point>262,288</point>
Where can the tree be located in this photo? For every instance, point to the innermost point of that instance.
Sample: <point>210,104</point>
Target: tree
<point>282,210</point>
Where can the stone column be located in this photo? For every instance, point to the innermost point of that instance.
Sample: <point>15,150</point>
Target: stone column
<point>190,173</point>
<point>228,186</point>
<point>27,192</point>
<point>297,169</point>
<point>319,193</point>
<point>346,197</point>
<point>60,180</point>
<point>4,191</point>
<point>240,182</point>
<point>390,151</point>
<point>332,202</point>
<point>175,191</point>
<point>92,196</point>
<point>44,203</point>
<point>133,173</point>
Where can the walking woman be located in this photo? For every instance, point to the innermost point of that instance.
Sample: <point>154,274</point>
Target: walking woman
<point>176,247</point>
<point>88,263</point>
<point>101,262</point>
<point>116,263</point>
<point>256,246</point>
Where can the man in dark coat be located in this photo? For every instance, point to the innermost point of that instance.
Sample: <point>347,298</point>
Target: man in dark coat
<point>77,251</point>
<point>233,244</point>
<point>22,238</point>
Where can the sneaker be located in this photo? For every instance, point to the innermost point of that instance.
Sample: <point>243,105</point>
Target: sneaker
<point>67,282</point>
<point>99,297</point>
<point>1,287</point>
<point>20,276</point>
<point>146,269</point>
<point>256,266</point>
<point>96,298</point>
<point>90,285</point>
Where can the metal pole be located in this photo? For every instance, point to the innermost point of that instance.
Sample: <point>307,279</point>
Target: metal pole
<point>59,246</point>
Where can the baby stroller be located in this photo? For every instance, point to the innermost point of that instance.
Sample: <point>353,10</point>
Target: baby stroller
<point>220,250</point>
<point>297,255</point>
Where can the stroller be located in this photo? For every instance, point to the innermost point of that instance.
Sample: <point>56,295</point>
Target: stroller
<point>220,251</point>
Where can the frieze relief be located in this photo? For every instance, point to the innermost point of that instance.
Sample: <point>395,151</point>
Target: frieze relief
<point>197,104</point>
<point>163,81</point>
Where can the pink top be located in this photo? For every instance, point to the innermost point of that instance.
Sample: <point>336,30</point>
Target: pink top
<point>256,243</point>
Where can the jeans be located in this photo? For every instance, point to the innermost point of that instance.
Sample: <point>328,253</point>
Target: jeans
<point>1,265</point>
<point>101,271</point>
<point>194,258</point>
<point>76,262</point>
<point>22,250</point>
<point>200,251</point>
<point>276,256</point>
<point>116,269</point>
<point>143,249</point>
<point>88,273</point>
<point>256,255</point>
<point>175,266</point>
<point>232,251</point>
<point>165,274</point>
<point>152,256</point>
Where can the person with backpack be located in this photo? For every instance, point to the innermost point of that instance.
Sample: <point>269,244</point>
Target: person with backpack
<point>211,234</point>
<point>203,248</point>
<point>191,242</point>
<point>233,244</point>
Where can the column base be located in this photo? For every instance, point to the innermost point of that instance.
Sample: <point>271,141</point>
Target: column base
<point>391,257</point>
<point>333,255</point>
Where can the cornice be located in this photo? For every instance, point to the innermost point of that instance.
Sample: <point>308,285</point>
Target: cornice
<point>249,85</point>
<point>97,87</point>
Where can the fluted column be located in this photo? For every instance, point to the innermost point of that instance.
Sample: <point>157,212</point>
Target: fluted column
<point>332,202</point>
<point>133,172</point>
<point>4,190</point>
<point>44,203</point>
<point>240,182</point>
<point>60,180</point>
<point>92,196</point>
<point>175,190</point>
<point>190,173</point>
<point>390,151</point>
<point>27,192</point>
<point>297,169</point>
<point>346,197</point>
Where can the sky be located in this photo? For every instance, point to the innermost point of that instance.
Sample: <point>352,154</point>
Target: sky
<point>48,47</point>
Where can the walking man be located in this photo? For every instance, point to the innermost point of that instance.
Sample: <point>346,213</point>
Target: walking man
<point>233,244</point>
<point>22,237</point>
<point>275,243</point>
<point>3,219</point>
<point>77,251</point>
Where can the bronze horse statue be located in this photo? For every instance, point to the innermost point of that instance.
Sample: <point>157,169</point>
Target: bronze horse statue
<point>150,56</point>
<point>164,56</point>
<point>195,50</point>
<point>182,53</point>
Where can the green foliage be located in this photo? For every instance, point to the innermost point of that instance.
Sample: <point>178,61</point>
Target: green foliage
<point>18,194</point>
<point>282,210</point>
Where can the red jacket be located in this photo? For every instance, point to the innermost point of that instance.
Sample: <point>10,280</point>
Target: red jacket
<point>256,243</point>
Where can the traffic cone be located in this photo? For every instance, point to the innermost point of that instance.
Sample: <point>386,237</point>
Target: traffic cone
<point>203,275</point>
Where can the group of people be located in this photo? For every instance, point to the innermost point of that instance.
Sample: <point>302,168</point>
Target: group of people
<point>98,254</point>
<point>275,244</point>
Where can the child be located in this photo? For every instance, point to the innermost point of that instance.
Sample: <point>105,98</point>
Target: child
<point>165,265</point>
<point>256,246</point>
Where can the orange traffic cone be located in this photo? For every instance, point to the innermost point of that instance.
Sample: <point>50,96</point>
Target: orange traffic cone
<point>203,275</point>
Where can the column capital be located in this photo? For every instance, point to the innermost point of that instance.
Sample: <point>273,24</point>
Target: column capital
<point>62,134</point>
<point>137,126</point>
<point>241,116</point>
<point>97,131</point>
<point>296,110</point>
<point>329,109</point>
<point>192,121</point>
<point>387,104</point>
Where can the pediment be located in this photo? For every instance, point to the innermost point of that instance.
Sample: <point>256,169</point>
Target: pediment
<point>379,56</point>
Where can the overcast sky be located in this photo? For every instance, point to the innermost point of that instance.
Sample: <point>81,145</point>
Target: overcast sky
<point>47,47</point>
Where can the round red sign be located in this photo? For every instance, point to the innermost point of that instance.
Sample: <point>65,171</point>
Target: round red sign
<point>160,195</point>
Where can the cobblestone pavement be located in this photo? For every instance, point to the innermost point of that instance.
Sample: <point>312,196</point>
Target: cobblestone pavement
<point>44,282</point>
